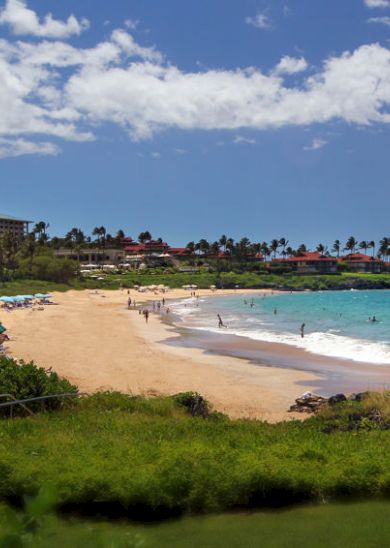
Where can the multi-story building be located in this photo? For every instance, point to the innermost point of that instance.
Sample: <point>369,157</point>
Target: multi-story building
<point>18,227</point>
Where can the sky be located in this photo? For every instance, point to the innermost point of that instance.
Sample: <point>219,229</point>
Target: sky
<point>256,118</point>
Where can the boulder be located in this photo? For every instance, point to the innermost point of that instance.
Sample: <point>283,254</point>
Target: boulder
<point>337,398</point>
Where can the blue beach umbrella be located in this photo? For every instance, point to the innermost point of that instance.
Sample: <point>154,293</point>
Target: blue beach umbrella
<point>42,295</point>
<point>7,299</point>
<point>27,297</point>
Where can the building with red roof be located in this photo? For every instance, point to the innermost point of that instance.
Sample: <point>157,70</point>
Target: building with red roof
<point>359,262</point>
<point>311,262</point>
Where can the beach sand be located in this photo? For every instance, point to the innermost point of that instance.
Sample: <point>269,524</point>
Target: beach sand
<point>96,343</point>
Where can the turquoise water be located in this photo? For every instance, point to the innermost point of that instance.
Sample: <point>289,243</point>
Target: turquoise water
<point>336,322</point>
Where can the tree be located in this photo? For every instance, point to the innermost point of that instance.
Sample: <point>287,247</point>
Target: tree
<point>290,251</point>
<point>222,242</point>
<point>301,249</point>
<point>265,250</point>
<point>336,247</point>
<point>364,245</point>
<point>10,245</point>
<point>144,237</point>
<point>274,246</point>
<point>40,229</point>
<point>321,249</point>
<point>351,245</point>
<point>203,246</point>
<point>372,246</point>
<point>100,232</point>
<point>75,239</point>
<point>283,242</point>
<point>384,247</point>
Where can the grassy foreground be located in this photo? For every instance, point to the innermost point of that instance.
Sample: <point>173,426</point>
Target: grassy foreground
<point>362,525</point>
<point>150,459</point>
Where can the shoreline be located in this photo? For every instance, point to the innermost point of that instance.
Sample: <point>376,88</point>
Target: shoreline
<point>97,343</point>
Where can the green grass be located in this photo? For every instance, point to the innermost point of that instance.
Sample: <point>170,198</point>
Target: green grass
<point>361,525</point>
<point>140,458</point>
<point>203,280</point>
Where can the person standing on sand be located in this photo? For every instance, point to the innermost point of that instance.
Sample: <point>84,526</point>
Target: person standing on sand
<point>302,330</point>
<point>146,314</point>
<point>129,303</point>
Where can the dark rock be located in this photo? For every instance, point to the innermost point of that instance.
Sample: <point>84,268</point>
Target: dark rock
<point>360,396</point>
<point>337,398</point>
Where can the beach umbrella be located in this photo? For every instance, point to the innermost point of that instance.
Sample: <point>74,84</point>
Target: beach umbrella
<point>27,297</point>
<point>41,296</point>
<point>7,299</point>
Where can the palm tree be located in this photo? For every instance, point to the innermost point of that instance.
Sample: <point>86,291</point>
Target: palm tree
<point>274,246</point>
<point>321,249</point>
<point>75,239</point>
<point>290,251</point>
<point>204,246</point>
<point>301,249</point>
<point>265,250</point>
<point>351,245</point>
<point>144,237</point>
<point>372,246</point>
<point>222,242</point>
<point>364,245</point>
<point>100,232</point>
<point>283,242</point>
<point>336,247</point>
<point>384,247</point>
<point>40,229</point>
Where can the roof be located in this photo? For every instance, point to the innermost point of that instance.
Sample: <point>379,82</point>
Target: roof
<point>359,257</point>
<point>9,218</point>
<point>309,256</point>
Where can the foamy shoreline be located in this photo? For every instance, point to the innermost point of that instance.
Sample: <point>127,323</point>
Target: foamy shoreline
<point>95,342</point>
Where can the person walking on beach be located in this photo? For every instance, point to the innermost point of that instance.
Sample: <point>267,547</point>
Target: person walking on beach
<point>302,330</point>
<point>220,322</point>
<point>146,314</point>
<point>129,303</point>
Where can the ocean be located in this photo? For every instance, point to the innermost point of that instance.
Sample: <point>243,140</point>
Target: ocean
<point>336,322</point>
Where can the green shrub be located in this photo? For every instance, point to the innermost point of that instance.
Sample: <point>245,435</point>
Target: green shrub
<point>25,380</point>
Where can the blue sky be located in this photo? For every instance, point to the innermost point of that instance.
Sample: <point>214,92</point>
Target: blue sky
<point>264,119</point>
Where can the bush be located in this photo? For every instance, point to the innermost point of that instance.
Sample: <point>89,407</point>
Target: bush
<point>25,380</point>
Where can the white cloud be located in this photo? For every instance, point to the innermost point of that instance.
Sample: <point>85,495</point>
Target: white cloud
<point>291,65</point>
<point>377,3</point>
<point>23,20</point>
<point>180,151</point>
<point>260,21</point>
<point>20,147</point>
<point>131,24</point>
<point>380,20</point>
<point>239,139</point>
<point>50,88</point>
<point>316,144</point>
<point>155,155</point>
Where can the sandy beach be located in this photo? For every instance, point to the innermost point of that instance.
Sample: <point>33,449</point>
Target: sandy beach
<point>96,342</point>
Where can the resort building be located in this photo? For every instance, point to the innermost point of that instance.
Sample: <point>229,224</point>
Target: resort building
<point>93,255</point>
<point>17,227</point>
<point>359,262</point>
<point>311,262</point>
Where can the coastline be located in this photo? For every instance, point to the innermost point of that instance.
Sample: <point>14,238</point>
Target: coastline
<point>97,343</point>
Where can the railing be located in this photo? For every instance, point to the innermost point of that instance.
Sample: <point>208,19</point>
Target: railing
<point>22,403</point>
